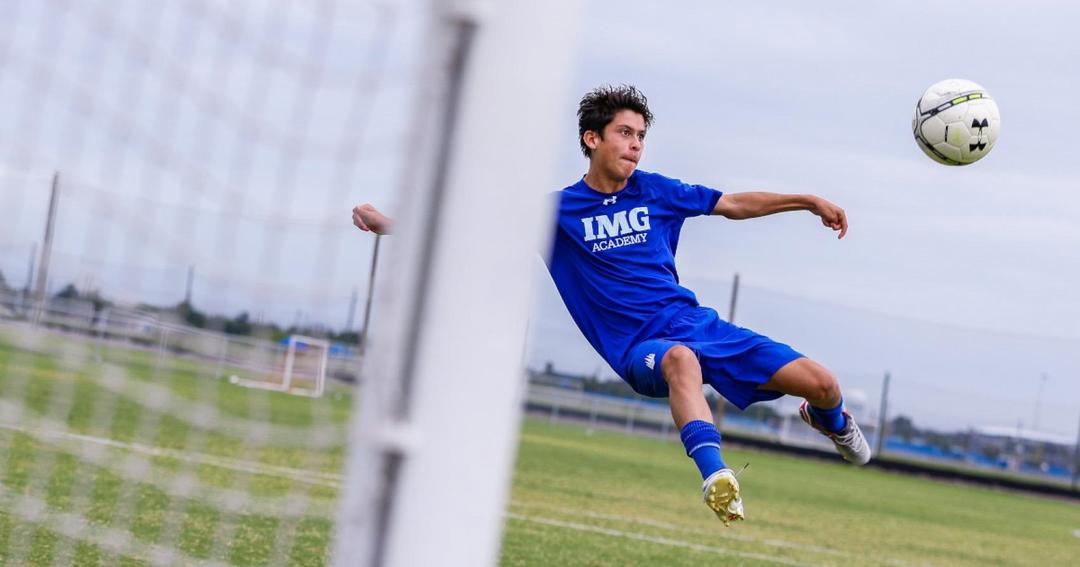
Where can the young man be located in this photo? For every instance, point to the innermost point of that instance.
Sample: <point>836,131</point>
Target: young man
<point>613,262</point>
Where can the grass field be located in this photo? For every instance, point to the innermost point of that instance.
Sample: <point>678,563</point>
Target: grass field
<point>609,499</point>
<point>113,457</point>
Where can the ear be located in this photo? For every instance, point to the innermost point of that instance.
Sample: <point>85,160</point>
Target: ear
<point>591,139</point>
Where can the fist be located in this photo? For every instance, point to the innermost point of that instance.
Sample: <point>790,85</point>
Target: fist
<point>368,219</point>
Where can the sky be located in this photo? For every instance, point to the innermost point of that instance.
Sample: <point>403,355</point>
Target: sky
<point>231,137</point>
<point>961,282</point>
<point>234,137</point>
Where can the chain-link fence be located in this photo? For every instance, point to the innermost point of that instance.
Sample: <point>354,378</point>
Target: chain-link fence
<point>990,401</point>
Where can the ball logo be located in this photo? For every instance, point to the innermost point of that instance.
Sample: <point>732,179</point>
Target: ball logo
<point>976,123</point>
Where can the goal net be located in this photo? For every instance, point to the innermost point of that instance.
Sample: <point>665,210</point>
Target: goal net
<point>176,180</point>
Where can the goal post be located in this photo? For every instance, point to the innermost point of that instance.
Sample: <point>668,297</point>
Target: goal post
<point>305,366</point>
<point>301,368</point>
<point>434,439</point>
<point>209,151</point>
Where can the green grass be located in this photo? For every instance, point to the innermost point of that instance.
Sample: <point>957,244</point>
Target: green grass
<point>66,395</point>
<point>577,499</point>
<point>606,499</point>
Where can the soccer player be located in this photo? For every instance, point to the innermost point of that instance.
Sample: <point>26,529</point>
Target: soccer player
<point>613,262</point>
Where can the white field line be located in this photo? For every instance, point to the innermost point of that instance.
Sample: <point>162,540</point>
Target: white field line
<point>680,529</point>
<point>32,510</point>
<point>658,540</point>
<point>163,400</point>
<point>725,534</point>
<point>139,469</point>
<point>331,480</point>
<point>683,530</point>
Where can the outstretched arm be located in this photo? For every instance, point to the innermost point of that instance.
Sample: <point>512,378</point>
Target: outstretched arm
<point>368,218</point>
<point>755,204</point>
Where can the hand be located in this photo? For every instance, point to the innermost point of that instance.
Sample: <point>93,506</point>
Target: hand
<point>831,215</point>
<point>368,219</point>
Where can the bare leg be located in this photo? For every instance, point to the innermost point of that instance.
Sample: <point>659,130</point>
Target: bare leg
<point>720,490</point>
<point>682,372</point>
<point>806,379</point>
<point>812,381</point>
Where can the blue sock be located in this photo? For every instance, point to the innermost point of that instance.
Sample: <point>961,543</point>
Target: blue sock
<point>831,419</point>
<point>702,442</point>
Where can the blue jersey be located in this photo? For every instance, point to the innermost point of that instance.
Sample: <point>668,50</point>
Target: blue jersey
<point>613,258</point>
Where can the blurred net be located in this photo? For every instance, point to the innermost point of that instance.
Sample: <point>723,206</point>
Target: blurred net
<point>202,158</point>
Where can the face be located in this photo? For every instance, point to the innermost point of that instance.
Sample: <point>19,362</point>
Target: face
<point>618,152</point>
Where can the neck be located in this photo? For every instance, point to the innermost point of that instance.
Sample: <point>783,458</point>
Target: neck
<point>603,183</point>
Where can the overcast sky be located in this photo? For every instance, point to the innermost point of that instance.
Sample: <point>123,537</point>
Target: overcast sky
<point>235,136</point>
<point>960,281</point>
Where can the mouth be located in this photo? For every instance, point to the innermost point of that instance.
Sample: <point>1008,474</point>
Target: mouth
<point>631,160</point>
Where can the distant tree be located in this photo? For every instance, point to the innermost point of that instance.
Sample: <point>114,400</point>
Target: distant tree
<point>240,325</point>
<point>759,412</point>
<point>69,292</point>
<point>610,387</point>
<point>351,338</point>
<point>191,315</point>
<point>943,441</point>
<point>4,287</point>
<point>902,427</point>
<point>99,302</point>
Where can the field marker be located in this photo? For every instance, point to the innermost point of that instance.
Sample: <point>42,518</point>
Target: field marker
<point>656,539</point>
<point>724,534</point>
<point>161,399</point>
<point>330,480</point>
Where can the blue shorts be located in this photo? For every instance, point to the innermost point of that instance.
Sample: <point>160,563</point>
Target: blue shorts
<point>734,360</point>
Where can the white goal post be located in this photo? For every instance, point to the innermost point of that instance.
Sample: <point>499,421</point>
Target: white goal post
<point>431,451</point>
<point>293,372</point>
<point>303,372</point>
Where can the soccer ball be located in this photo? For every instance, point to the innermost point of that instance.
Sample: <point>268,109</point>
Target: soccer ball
<point>956,122</point>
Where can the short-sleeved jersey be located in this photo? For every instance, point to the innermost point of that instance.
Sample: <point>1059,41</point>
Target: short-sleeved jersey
<point>613,258</point>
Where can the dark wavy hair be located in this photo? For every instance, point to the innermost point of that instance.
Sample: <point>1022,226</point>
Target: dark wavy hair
<point>599,106</point>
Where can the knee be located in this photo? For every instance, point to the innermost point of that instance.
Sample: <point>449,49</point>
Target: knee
<point>825,391</point>
<point>680,367</point>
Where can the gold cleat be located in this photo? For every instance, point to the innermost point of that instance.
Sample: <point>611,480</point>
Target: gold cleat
<point>721,494</point>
